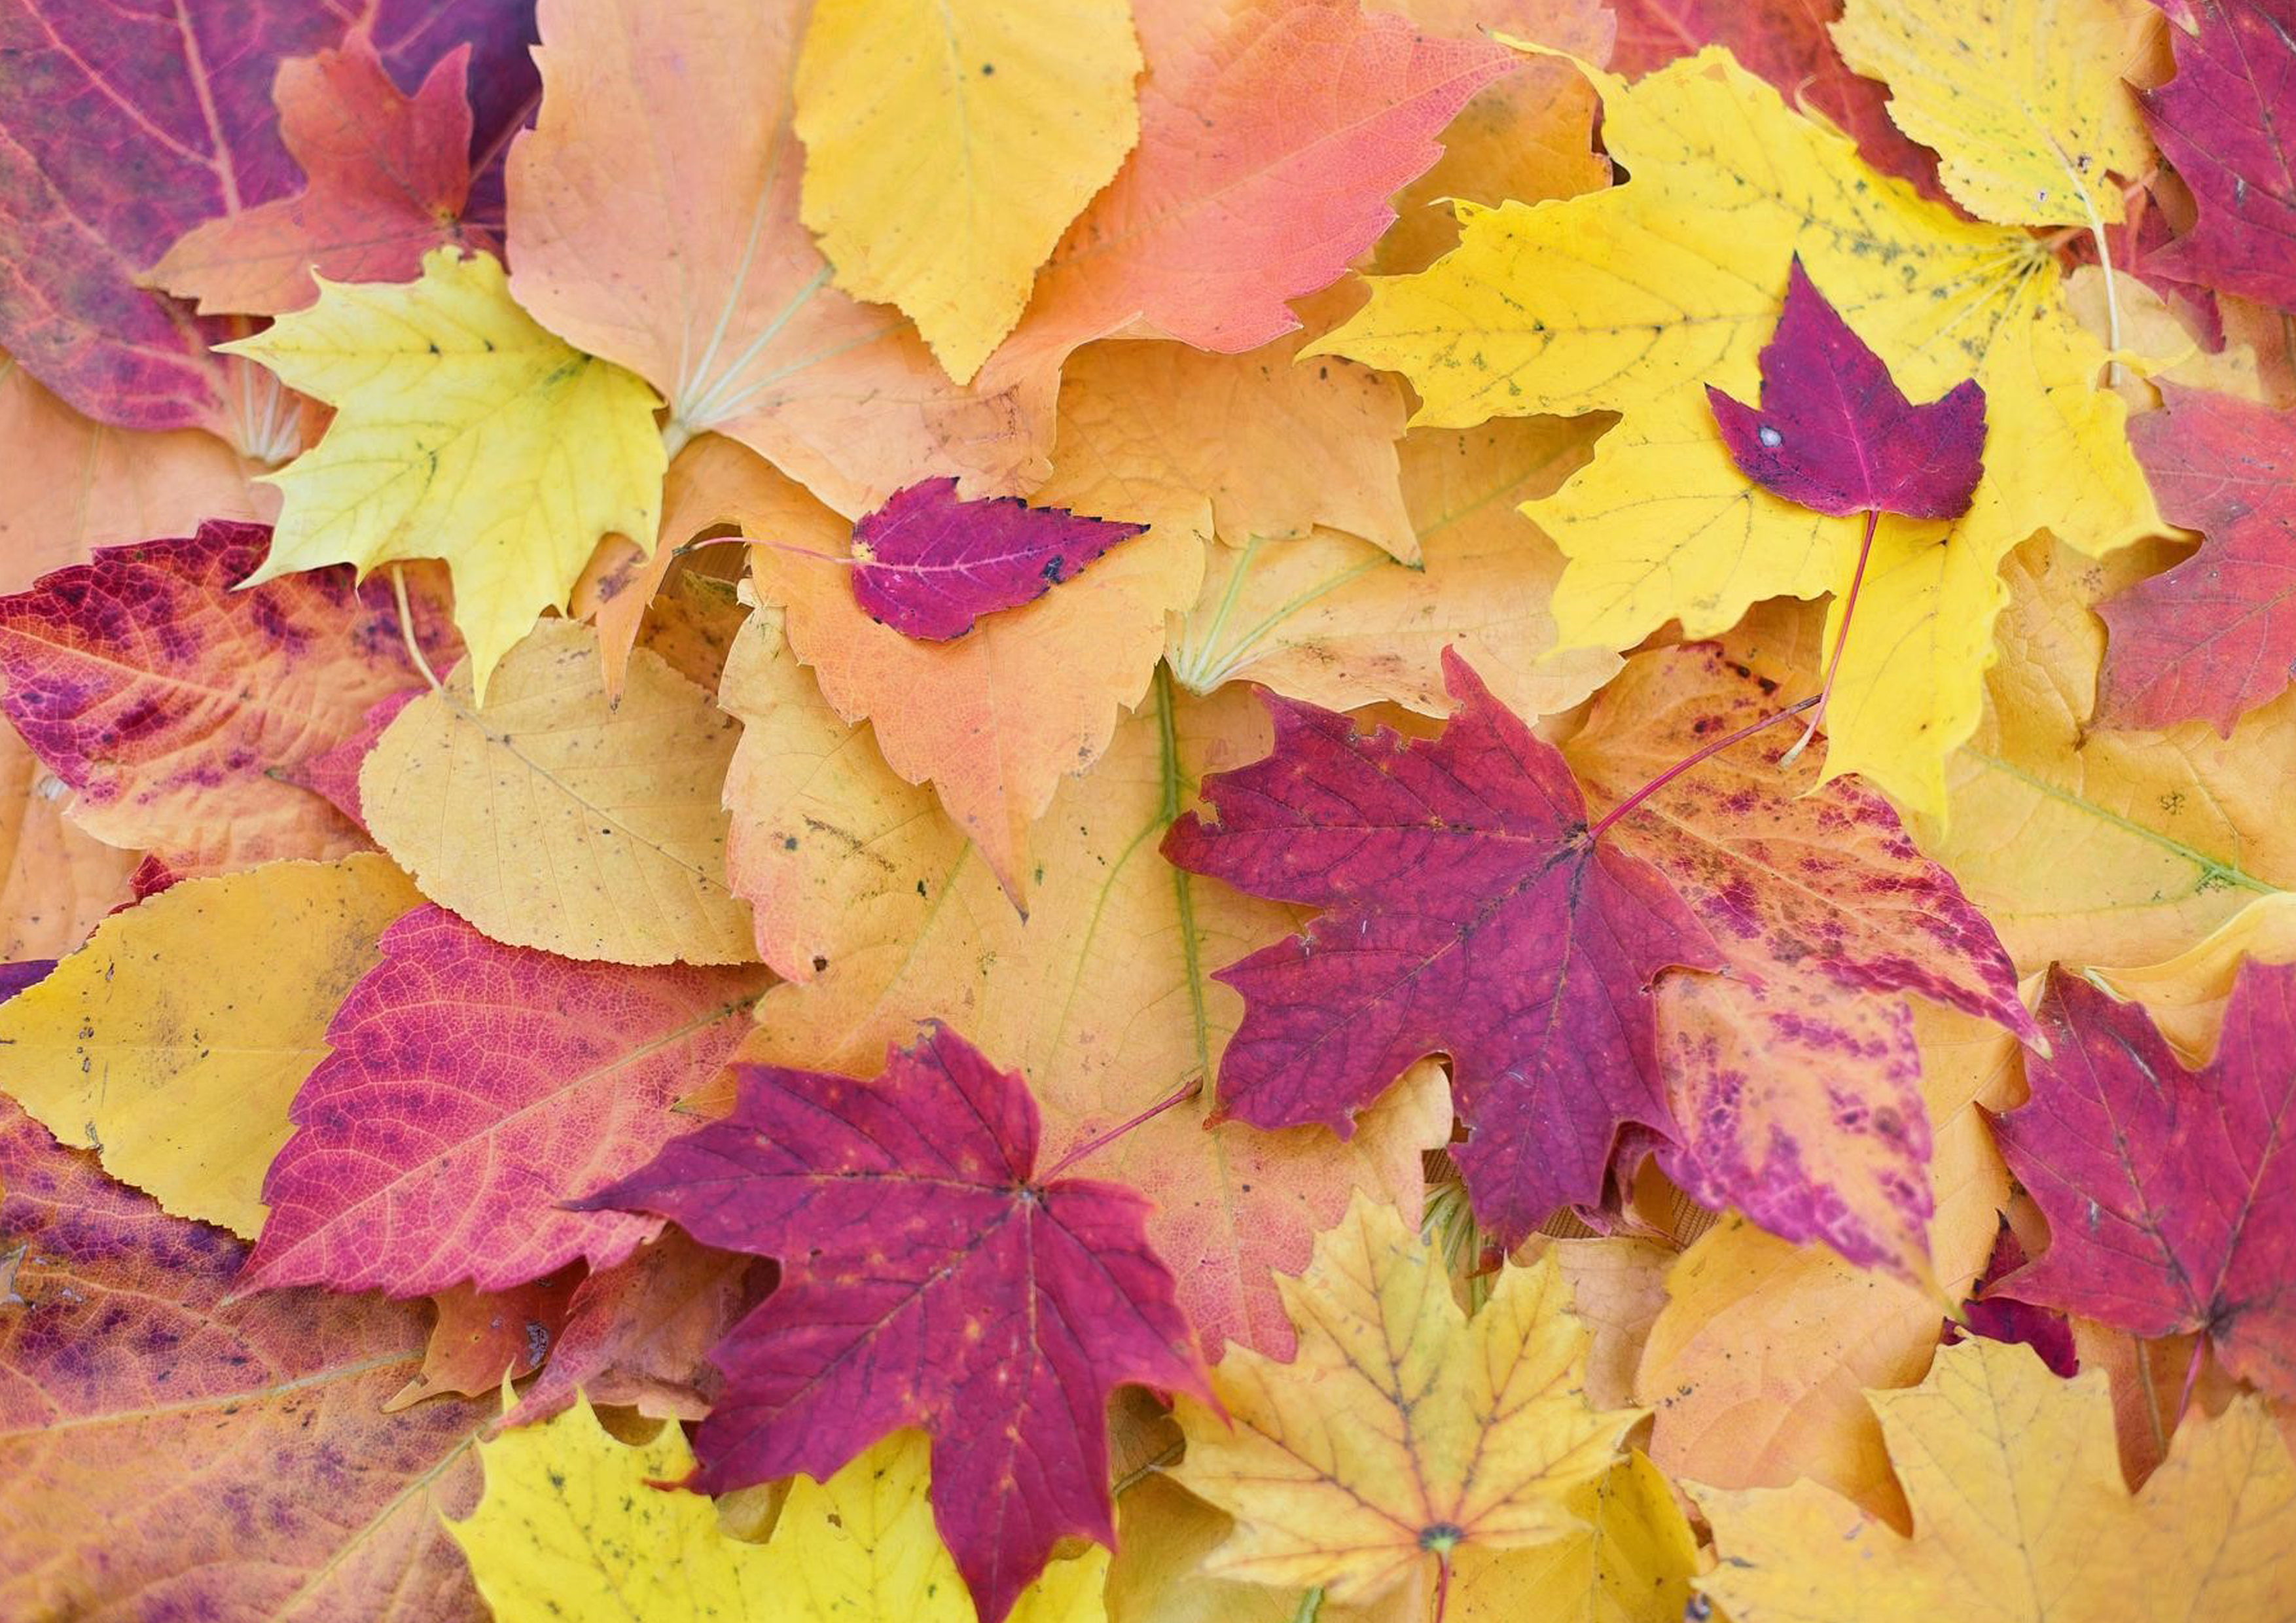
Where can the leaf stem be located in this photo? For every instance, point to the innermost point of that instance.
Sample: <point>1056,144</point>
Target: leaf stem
<point>407,627</point>
<point>1603,824</point>
<point>1311,1606</point>
<point>1187,1090</point>
<point>1840,639</point>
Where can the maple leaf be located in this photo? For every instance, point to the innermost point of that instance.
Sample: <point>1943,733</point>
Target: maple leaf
<point>2219,121</point>
<point>123,486</point>
<point>1324,618</point>
<point>1788,43</point>
<point>938,180</point>
<point>388,176</point>
<point>181,1082</point>
<point>1836,433</point>
<point>168,700</point>
<point>2020,1513</point>
<point>936,1279</point>
<point>1632,1561</point>
<point>574,1523</point>
<point>470,1088</point>
<point>481,1340</point>
<point>699,276</point>
<point>552,816</point>
<point>119,1363</point>
<point>123,133</point>
<point>2024,104</point>
<point>869,899</point>
<point>637,1334</point>
<point>1635,297</point>
<point>929,564</point>
<point>2001,1319</point>
<point>463,432</point>
<point>1795,1084</point>
<point>1466,911</point>
<point>1401,1429</point>
<point>2216,636</point>
<point>2169,1194</point>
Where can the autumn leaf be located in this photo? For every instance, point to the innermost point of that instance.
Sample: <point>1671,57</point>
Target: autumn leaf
<point>388,176</point>
<point>699,276</point>
<point>929,564</point>
<point>471,1088</point>
<point>2169,1209</point>
<point>483,1338</point>
<point>179,1080</point>
<point>870,901</point>
<point>1402,1434</point>
<point>1465,910</point>
<point>2024,104</point>
<point>593,827</point>
<point>1019,114</point>
<point>169,700</point>
<point>2019,1512</point>
<point>122,133</point>
<point>935,1180</point>
<point>2215,636</point>
<point>56,880</point>
<point>1635,297</point>
<point>465,431</point>
<point>121,1364</point>
<point>1631,1561</point>
<point>2219,121</point>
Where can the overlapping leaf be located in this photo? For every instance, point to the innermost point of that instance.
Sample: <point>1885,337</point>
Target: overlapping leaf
<point>2223,121</point>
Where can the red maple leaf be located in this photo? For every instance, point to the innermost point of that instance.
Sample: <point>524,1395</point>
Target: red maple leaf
<point>2223,121</point>
<point>931,1277</point>
<point>1466,912</point>
<point>1836,434</point>
<point>929,564</point>
<point>2216,636</point>
<point>2170,1194</point>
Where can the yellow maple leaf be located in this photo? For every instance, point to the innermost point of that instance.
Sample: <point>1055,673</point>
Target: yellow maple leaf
<point>2022,100</point>
<point>1401,1432</point>
<point>552,816</point>
<point>465,431</point>
<point>2020,1513</point>
<point>949,143</point>
<point>177,1064</point>
<point>1633,298</point>
<point>1630,1562</point>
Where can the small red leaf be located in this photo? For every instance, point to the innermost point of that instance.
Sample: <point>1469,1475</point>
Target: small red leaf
<point>929,564</point>
<point>2170,1193</point>
<point>1835,432</point>
<point>1466,912</point>
<point>929,1278</point>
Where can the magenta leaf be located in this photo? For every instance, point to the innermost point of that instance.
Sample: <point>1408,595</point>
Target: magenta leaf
<point>1466,912</point>
<point>2170,1193</point>
<point>471,1088</point>
<point>2216,636</point>
<point>931,1277</point>
<point>2227,122</point>
<point>2002,1318</point>
<point>929,564</point>
<point>1836,434</point>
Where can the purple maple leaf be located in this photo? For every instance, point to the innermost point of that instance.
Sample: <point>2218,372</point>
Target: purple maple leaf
<point>929,564</point>
<point>1837,435</point>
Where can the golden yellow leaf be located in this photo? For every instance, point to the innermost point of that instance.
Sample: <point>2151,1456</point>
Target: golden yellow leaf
<point>868,898</point>
<point>2022,99</point>
<point>2020,1513</point>
<point>1634,297</point>
<point>1756,1369</point>
<point>1631,1561</point>
<point>2157,338</point>
<point>552,816</point>
<point>1329,620</point>
<point>2185,995</point>
<point>465,431</point>
<point>2090,844</point>
<point>995,719</point>
<point>570,1527</point>
<point>949,143</point>
<point>173,1043</point>
<point>1401,1434</point>
<point>1618,1289</point>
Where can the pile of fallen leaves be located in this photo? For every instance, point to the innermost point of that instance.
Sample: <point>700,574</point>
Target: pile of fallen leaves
<point>1148,810</point>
